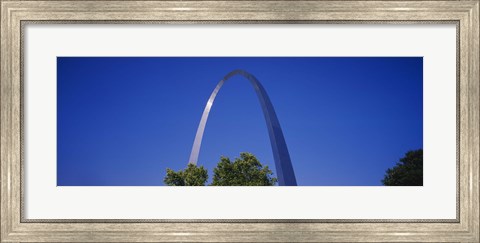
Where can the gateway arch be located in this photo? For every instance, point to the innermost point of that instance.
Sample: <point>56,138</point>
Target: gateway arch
<point>283,164</point>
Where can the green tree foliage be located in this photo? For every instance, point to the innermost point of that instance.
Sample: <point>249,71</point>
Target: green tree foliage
<point>244,171</point>
<point>191,176</point>
<point>407,172</point>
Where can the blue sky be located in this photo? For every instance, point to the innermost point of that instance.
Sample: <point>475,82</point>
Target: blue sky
<point>121,121</point>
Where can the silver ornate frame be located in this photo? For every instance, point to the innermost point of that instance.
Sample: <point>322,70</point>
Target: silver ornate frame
<point>15,14</point>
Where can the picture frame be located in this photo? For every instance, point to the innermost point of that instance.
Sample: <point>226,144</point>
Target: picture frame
<point>16,14</point>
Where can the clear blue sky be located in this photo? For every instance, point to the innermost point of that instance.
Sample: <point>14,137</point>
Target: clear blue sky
<point>122,121</point>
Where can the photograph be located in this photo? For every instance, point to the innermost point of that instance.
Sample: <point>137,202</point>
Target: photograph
<point>239,121</point>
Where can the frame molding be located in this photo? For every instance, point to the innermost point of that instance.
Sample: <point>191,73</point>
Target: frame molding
<point>14,13</point>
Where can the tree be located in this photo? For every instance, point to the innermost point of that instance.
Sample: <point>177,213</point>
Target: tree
<point>407,172</point>
<point>191,176</point>
<point>244,171</point>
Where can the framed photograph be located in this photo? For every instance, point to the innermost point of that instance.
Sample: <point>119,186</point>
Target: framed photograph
<point>239,121</point>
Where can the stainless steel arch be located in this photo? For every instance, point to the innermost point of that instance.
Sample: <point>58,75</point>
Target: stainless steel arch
<point>283,164</point>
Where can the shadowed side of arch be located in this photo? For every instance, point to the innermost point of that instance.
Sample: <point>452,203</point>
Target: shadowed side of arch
<point>283,164</point>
